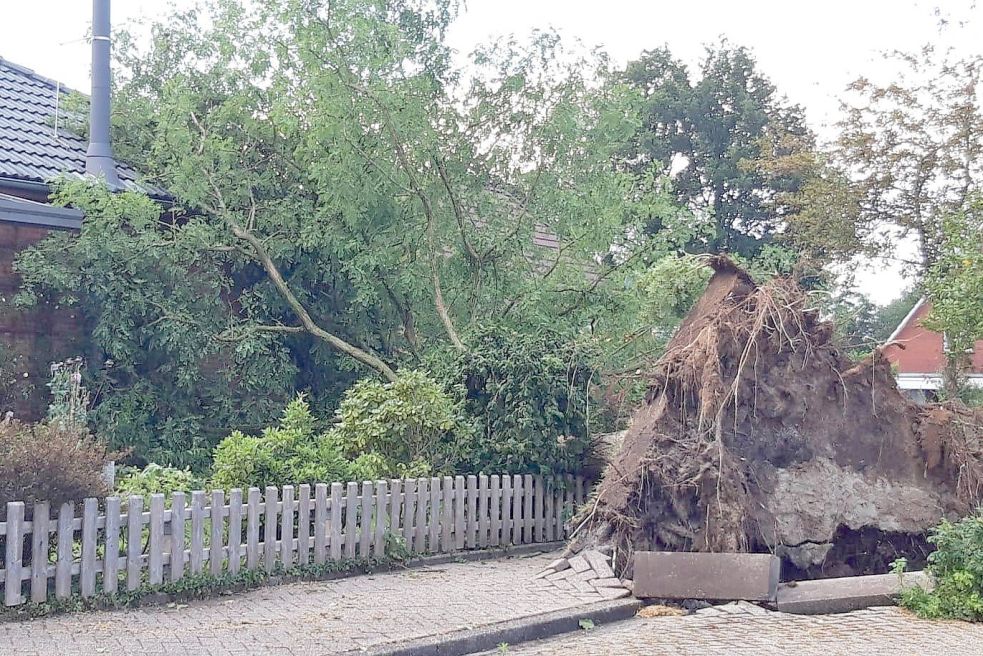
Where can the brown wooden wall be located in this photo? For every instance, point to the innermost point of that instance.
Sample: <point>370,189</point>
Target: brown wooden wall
<point>30,340</point>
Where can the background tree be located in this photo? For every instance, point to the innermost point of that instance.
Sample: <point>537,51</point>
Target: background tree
<point>706,131</point>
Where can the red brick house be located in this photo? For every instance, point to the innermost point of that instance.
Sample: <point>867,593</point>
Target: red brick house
<point>918,355</point>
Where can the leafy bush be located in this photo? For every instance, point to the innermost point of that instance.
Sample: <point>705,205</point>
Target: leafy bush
<point>288,454</point>
<point>671,286</point>
<point>957,568</point>
<point>44,463</point>
<point>527,394</point>
<point>154,479</point>
<point>397,429</point>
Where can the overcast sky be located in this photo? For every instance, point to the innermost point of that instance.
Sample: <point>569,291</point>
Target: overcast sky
<point>810,48</point>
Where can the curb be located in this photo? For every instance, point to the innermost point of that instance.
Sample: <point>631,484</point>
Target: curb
<point>843,595</point>
<point>511,632</point>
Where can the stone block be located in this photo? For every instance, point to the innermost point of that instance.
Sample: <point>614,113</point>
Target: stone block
<point>842,595</point>
<point>579,564</point>
<point>612,582</point>
<point>612,593</point>
<point>559,565</point>
<point>716,576</point>
<point>599,563</point>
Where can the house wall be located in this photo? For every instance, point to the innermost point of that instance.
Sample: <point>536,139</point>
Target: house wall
<point>923,348</point>
<point>30,340</point>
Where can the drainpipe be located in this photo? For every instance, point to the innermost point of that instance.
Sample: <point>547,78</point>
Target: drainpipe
<point>99,160</point>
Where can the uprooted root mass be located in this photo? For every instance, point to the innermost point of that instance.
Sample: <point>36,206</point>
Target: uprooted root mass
<point>758,434</point>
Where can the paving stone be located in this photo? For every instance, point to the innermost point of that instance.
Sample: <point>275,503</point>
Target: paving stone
<point>612,582</point>
<point>599,563</point>
<point>613,593</point>
<point>717,576</point>
<point>579,564</point>
<point>559,565</point>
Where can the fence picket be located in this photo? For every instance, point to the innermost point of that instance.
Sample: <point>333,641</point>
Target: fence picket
<point>269,528</point>
<point>395,506</point>
<point>483,497</point>
<point>506,510</point>
<point>87,567</point>
<point>235,530</point>
<point>472,525</point>
<point>287,527</point>
<point>335,542</point>
<point>134,541</point>
<point>197,560</point>
<point>321,522</point>
<point>178,506</point>
<point>495,508</point>
<point>527,508</point>
<point>216,550</point>
<point>518,500</point>
<point>422,499</point>
<point>365,520</point>
<point>253,503</point>
<point>434,516</point>
<point>40,518</point>
<point>459,514</point>
<point>549,514</point>
<point>14,554</point>
<point>558,508</point>
<point>409,511</point>
<point>579,496</point>
<point>351,519</point>
<point>156,557</point>
<point>539,501</point>
<point>447,515</point>
<point>303,524</point>
<point>381,519</point>
<point>66,538</point>
<point>110,558</point>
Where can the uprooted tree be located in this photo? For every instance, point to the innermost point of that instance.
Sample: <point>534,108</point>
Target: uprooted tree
<point>758,434</point>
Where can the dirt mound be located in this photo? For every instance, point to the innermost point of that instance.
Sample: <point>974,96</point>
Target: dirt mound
<point>758,434</point>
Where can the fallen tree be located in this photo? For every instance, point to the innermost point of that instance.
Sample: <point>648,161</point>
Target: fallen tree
<point>758,434</point>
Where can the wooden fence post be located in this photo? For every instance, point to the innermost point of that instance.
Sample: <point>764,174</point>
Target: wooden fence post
<point>304,524</point>
<point>472,531</point>
<point>335,541</point>
<point>549,513</point>
<point>66,539</point>
<point>156,557</point>
<point>381,519</point>
<point>197,531</point>
<point>395,506</point>
<point>87,568</point>
<point>287,527</point>
<point>235,530</point>
<point>110,557</point>
<point>518,500</point>
<point>483,510</point>
<point>495,518</point>
<point>434,516</point>
<point>527,509</point>
<point>365,520</point>
<point>409,511</point>
<point>269,526</point>
<point>14,553</point>
<point>506,509</point>
<point>40,519</point>
<point>447,515</point>
<point>459,517</point>
<point>253,503</point>
<point>320,523</point>
<point>216,550</point>
<point>351,519</point>
<point>134,541</point>
<point>178,505</point>
<point>420,542</point>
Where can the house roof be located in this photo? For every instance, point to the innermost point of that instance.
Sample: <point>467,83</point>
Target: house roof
<point>34,148</point>
<point>918,354</point>
<point>29,212</point>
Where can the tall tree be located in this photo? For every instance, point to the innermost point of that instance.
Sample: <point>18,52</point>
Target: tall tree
<point>707,131</point>
<point>914,147</point>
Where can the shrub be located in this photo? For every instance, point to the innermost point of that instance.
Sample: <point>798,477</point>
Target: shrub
<point>154,479</point>
<point>397,429</point>
<point>288,454</point>
<point>42,463</point>
<point>527,394</point>
<point>957,568</point>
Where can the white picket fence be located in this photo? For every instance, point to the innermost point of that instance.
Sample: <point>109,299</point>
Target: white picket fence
<point>217,533</point>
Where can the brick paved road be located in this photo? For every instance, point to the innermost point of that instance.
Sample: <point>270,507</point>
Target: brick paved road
<point>738,631</point>
<point>328,617</point>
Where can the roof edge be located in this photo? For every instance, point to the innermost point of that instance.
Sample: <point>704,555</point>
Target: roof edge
<point>906,320</point>
<point>28,212</point>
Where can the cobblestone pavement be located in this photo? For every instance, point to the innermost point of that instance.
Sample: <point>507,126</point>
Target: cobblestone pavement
<point>745,630</point>
<point>329,617</point>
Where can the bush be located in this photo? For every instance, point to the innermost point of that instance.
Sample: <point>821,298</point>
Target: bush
<point>397,429</point>
<point>957,568</point>
<point>288,454</point>
<point>527,394</point>
<point>42,463</point>
<point>154,479</point>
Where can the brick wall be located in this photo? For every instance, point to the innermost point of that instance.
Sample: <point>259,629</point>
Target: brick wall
<point>30,340</point>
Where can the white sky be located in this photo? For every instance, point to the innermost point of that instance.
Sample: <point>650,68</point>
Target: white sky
<point>810,48</point>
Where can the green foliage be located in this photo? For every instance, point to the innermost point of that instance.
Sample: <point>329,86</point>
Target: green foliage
<point>288,454</point>
<point>154,479</point>
<point>671,286</point>
<point>528,394</point>
<point>957,569</point>
<point>69,405</point>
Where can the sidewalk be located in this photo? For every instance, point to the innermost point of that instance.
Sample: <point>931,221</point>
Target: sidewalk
<point>331,617</point>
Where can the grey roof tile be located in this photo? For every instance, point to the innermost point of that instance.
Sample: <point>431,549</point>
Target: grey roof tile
<point>31,148</point>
